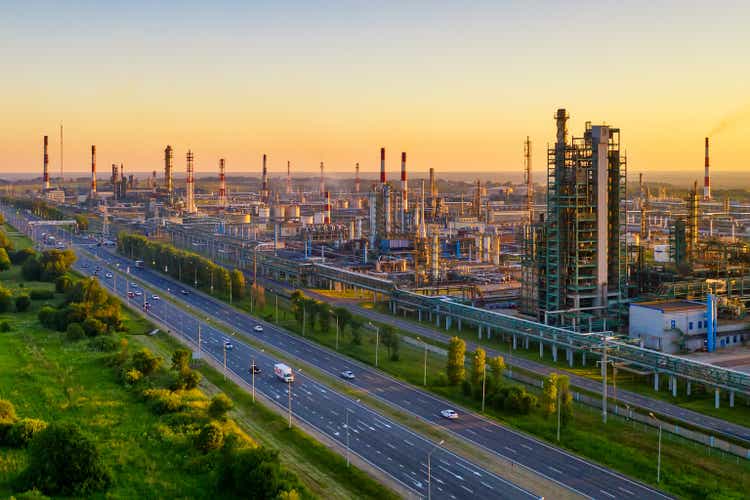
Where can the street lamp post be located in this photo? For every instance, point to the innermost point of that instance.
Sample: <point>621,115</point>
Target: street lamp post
<point>348,446</point>
<point>558,409</point>
<point>289,392</point>
<point>337,333</point>
<point>424,376</point>
<point>252,372</point>
<point>658,459</point>
<point>429,471</point>
<point>225,360</point>
<point>377,345</point>
<point>484,384</point>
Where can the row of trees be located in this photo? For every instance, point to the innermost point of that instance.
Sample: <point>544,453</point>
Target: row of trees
<point>482,382</point>
<point>87,309</point>
<point>47,266</point>
<point>38,207</point>
<point>187,267</point>
<point>310,313</point>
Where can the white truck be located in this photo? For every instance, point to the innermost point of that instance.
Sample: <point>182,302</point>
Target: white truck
<point>283,372</point>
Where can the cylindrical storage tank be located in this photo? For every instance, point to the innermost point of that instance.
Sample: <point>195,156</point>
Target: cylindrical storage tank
<point>264,212</point>
<point>486,248</point>
<point>319,217</point>
<point>358,232</point>
<point>352,229</point>
<point>247,218</point>
<point>343,203</point>
<point>278,211</point>
<point>292,212</point>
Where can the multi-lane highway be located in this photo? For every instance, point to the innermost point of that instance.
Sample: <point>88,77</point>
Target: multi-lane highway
<point>386,445</point>
<point>557,465</point>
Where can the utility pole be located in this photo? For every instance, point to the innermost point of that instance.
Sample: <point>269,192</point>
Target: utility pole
<point>484,384</point>
<point>424,377</point>
<point>289,392</point>
<point>558,409</point>
<point>276,306</point>
<point>337,333</point>
<point>199,340</point>
<point>377,345</point>
<point>252,371</point>
<point>225,360</point>
<point>604,380</point>
<point>429,471</point>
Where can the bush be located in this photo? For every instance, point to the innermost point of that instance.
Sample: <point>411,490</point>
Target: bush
<point>104,344</point>
<point>32,494</point>
<point>63,284</point>
<point>133,376</point>
<point>210,438</point>
<point>93,327</point>
<point>7,412</point>
<point>41,294</point>
<point>514,400</point>
<point>191,379</point>
<point>5,326</point>
<point>146,362</point>
<point>4,260</point>
<point>31,270</point>
<point>219,406</point>
<point>163,401</point>
<point>75,332</point>
<point>23,302</point>
<point>21,256</point>
<point>6,300</point>
<point>63,461</point>
<point>47,316</point>
<point>23,430</point>
<point>255,470</point>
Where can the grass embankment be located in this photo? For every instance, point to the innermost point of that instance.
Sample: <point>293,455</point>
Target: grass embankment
<point>689,470</point>
<point>700,400</point>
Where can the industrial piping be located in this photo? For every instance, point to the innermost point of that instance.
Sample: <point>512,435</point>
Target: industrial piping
<point>706,178</point>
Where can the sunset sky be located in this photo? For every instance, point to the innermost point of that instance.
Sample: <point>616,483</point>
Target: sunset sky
<point>458,85</point>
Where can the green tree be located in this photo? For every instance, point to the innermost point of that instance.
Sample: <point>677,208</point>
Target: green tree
<point>478,366</point>
<point>190,379</point>
<point>146,362</point>
<point>219,406</point>
<point>23,430</point>
<point>238,284</point>
<point>210,438</point>
<point>74,331</point>
<point>497,368</point>
<point>63,461</point>
<point>7,412</point>
<point>20,256</point>
<point>344,317</point>
<point>82,222</point>
<point>548,402</point>
<point>181,360</point>
<point>23,302</point>
<point>63,284</point>
<point>31,270</point>
<point>54,263</point>
<point>298,305</point>
<point>323,311</point>
<point>565,398</point>
<point>5,242</point>
<point>356,329</point>
<point>389,338</point>
<point>455,369</point>
<point>4,260</point>
<point>6,300</point>
<point>258,294</point>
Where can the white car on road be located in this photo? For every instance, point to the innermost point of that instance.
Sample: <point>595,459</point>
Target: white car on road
<point>449,414</point>
<point>348,374</point>
<point>154,297</point>
<point>258,328</point>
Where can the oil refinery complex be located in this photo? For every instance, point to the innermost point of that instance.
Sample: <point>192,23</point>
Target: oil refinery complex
<point>574,259</point>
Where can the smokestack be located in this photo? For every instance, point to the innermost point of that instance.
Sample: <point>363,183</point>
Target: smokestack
<point>327,208</point>
<point>264,182</point>
<point>356,178</point>
<point>404,192</point>
<point>190,185</point>
<point>93,172</point>
<point>222,185</point>
<point>706,178</point>
<point>288,178</point>
<point>322,181</point>
<point>45,172</point>
<point>168,165</point>
<point>433,184</point>
<point>527,175</point>
<point>382,165</point>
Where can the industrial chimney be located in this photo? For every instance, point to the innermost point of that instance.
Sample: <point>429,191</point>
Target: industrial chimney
<point>288,178</point>
<point>45,172</point>
<point>264,182</point>
<point>404,193</point>
<point>706,178</point>
<point>93,172</point>
<point>222,185</point>
<point>356,178</point>
<point>327,208</point>
<point>168,164</point>
<point>190,186</point>
<point>322,189</point>
<point>382,165</point>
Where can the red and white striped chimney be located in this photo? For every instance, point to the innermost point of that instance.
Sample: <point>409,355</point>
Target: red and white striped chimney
<point>222,185</point>
<point>327,208</point>
<point>93,172</point>
<point>706,178</point>
<point>356,178</point>
<point>382,165</point>
<point>404,192</point>
<point>288,178</point>
<point>45,173</point>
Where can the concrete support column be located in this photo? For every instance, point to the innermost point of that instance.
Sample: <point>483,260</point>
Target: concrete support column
<point>716,397</point>
<point>514,341</point>
<point>526,342</point>
<point>688,387</point>
<point>437,319</point>
<point>570,357</point>
<point>489,333</point>
<point>656,381</point>
<point>479,329</point>
<point>583,358</point>
<point>541,349</point>
<point>731,399</point>
<point>459,325</point>
<point>419,315</point>
<point>554,353</point>
<point>448,322</point>
<point>674,386</point>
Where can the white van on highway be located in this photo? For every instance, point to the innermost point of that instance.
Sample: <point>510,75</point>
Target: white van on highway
<point>283,372</point>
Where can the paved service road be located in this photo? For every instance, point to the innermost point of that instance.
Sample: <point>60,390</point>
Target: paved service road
<point>555,464</point>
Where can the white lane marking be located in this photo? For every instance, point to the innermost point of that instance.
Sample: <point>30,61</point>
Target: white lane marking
<point>468,489</point>
<point>510,449</point>
<point>610,495</point>
<point>554,470</point>
<point>468,469</point>
<point>486,485</point>
<point>526,446</point>
<point>408,442</point>
<point>625,490</point>
<point>457,476</point>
